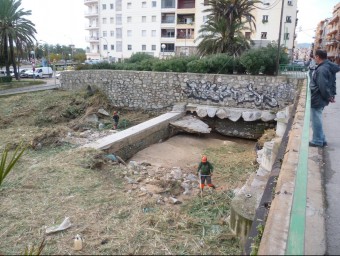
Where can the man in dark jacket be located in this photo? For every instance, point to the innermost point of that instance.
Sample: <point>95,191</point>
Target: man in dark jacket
<point>323,91</point>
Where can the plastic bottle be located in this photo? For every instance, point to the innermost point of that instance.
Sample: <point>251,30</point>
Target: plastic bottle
<point>78,243</point>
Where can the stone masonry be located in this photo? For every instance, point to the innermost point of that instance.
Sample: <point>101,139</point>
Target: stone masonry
<point>159,91</point>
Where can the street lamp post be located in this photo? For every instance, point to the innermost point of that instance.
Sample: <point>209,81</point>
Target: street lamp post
<point>163,48</point>
<point>48,53</point>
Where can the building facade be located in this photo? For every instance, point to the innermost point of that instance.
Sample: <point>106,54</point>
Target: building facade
<point>327,35</point>
<point>161,28</point>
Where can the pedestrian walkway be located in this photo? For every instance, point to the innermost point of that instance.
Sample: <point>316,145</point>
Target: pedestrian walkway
<point>331,156</point>
<point>50,85</point>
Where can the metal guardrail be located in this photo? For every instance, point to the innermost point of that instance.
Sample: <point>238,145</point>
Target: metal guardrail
<point>296,232</point>
<point>293,71</point>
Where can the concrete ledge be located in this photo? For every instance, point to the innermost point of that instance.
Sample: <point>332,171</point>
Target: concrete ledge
<point>138,134</point>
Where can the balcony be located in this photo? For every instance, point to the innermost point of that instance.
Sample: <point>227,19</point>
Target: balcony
<point>91,14</point>
<point>332,31</point>
<point>185,19</point>
<point>89,2</point>
<point>186,4</point>
<point>92,39</point>
<point>168,19</point>
<point>92,27</point>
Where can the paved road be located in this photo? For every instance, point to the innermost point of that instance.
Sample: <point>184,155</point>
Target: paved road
<point>332,174</point>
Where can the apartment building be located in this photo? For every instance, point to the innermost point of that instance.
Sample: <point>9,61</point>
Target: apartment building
<point>161,28</point>
<point>268,23</point>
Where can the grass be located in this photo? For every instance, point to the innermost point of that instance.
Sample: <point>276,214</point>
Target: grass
<point>58,179</point>
<point>21,83</point>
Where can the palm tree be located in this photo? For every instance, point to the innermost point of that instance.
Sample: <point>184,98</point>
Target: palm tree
<point>14,28</point>
<point>223,31</point>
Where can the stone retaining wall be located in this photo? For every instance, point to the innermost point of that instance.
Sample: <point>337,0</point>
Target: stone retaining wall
<point>161,90</point>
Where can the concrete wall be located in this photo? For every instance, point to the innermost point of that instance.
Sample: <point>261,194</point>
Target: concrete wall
<point>161,90</point>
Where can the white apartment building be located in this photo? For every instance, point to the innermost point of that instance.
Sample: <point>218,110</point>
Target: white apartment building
<point>268,23</point>
<point>119,28</point>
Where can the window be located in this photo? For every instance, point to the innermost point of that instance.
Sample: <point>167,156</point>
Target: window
<point>153,47</point>
<point>289,19</point>
<point>143,33</point>
<point>153,18</point>
<point>129,33</point>
<point>118,34</point>
<point>129,47</point>
<point>119,46</point>
<point>143,4</point>
<point>104,34</point>
<point>143,47</point>
<point>263,35</point>
<point>286,36</point>
<point>112,47</point>
<point>129,19</point>
<point>105,47</point>
<point>112,33</point>
<point>129,5</point>
<point>154,3</point>
<point>104,6</point>
<point>290,3</point>
<point>248,18</point>
<point>206,2</point>
<point>264,18</point>
<point>153,33</point>
<point>111,6</point>
<point>205,18</point>
<point>112,20</point>
<point>168,4</point>
<point>118,19</point>
<point>104,20</point>
<point>143,19</point>
<point>247,35</point>
<point>118,5</point>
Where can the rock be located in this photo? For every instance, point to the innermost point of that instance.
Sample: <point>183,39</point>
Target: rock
<point>267,116</point>
<point>201,112</point>
<point>235,115</point>
<point>251,115</point>
<point>221,113</point>
<point>93,118</point>
<point>176,173</point>
<point>103,112</point>
<point>211,112</point>
<point>191,124</point>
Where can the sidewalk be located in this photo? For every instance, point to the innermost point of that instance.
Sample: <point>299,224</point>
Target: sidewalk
<point>331,156</point>
<point>50,85</point>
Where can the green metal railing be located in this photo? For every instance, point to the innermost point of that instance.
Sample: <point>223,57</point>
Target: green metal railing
<point>293,71</point>
<point>296,232</point>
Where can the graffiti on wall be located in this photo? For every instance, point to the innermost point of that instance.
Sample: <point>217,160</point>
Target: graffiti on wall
<point>219,93</point>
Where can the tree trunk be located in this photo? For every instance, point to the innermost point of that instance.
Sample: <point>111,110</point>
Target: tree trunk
<point>12,56</point>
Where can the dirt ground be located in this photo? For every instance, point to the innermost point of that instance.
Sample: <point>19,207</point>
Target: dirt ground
<point>116,209</point>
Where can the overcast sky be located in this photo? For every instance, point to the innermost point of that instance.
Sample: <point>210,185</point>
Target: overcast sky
<point>63,22</point>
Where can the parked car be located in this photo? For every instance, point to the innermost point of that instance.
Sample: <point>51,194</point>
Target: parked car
<point>3,73</point>
<point>26,73</point>
<point>43,72</point>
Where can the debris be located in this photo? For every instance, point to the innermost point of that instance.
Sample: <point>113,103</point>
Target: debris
<point>175,200</point>
<point>121,160</point>
<point>64,225</point>
<point>130,181</point>
<point>78,243</point>
<point>103,112</point>
<point>112,157</point>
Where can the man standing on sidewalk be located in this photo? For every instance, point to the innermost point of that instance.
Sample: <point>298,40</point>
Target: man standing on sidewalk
<point>323,91</point>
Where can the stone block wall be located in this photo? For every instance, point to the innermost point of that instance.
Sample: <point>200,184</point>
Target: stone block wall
<point>161,90</point>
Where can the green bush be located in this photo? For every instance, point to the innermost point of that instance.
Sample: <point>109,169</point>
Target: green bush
<point>263,60</point>
<point>5,79</point>
<point>138,57</point>
<point>198,66</point>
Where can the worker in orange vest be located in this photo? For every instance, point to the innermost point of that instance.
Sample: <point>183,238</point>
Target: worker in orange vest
<point>205,170</point>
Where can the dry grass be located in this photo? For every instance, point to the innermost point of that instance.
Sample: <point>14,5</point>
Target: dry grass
<point>60,180</point>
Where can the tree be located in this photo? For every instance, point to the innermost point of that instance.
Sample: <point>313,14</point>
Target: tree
<point>14,29</point>
<point>223,31</point>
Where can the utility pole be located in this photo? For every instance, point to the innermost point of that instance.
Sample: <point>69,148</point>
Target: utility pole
<point>279,41</point>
